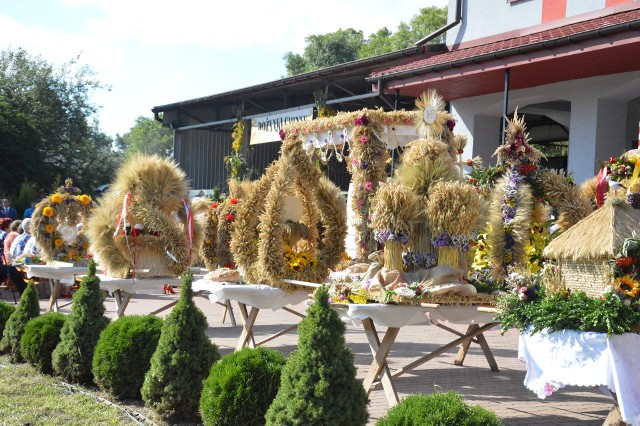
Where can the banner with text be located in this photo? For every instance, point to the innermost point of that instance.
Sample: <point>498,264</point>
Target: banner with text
<point>266,128</point>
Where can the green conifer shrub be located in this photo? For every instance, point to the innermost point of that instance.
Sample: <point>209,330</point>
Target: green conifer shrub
<point>440,408</point>
<point>5,312</point>
<point>73,356</point>
<point>40,338</point>
<point>181,362</point>
<point>123,354</point>
<point>28,308</point>
<point>241,387</point>
<point>318,385</point>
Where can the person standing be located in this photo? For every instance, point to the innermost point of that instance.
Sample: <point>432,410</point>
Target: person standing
<point>7,210</point>
<point>29,211</point>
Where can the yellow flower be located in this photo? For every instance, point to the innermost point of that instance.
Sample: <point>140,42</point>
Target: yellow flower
<point>313,263</point>
<point>214,218</point>
<point>56,198</point>
<point>58,242</point>
<point>84,199</point>
<point>71,253</point>
<point>85,246</point>
<point>48,212</point>
<point>48,228</point>
<point>295,267</point>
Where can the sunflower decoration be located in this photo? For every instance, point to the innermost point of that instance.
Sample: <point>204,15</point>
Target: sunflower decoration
<point>58,222</point>
<point>627,287</point>
<point>433,121</point>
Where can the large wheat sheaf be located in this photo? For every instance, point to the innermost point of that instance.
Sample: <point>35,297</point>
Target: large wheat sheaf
<point>152,235</point>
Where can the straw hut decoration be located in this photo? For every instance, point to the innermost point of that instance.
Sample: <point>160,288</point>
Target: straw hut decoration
<point>58,225</point>
<point>583,252</point>
<point>394,208</point>
<point>266,246</point>
<point>145,226</point>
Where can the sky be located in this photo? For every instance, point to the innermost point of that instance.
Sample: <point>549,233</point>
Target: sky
<point>153,53</point>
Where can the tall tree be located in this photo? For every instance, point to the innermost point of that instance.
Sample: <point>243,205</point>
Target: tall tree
<point>47,118</point>
<point>325,50</point>
<point>342,46</point>
<point>148,137</point>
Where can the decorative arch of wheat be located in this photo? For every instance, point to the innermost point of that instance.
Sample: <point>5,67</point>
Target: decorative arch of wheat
<point>258,240</point>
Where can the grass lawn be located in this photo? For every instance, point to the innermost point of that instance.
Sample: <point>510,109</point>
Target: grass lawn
<point>29,397</point>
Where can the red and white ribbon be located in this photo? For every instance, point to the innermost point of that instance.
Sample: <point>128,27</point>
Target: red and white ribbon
<point>123,215</point>
<point>189,213</point>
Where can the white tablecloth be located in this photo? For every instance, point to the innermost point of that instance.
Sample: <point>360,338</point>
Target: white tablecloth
<point>568,357</point>
<point>258,295</point>
<point>399,316</point>
<point>140,286</point>
<point>64,273</point>
<point>381,314</point>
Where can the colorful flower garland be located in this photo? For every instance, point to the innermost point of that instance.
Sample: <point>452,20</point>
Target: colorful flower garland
<point>57,225</point>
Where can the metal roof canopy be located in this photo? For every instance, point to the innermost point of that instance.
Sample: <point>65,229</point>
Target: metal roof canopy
<point>345,85</point>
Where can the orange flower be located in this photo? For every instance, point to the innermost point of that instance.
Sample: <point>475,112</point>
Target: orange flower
<point>625,262</point>
<point>84,199</point>
<point>56,198</point>
<point>48,228</point>
<point>233,201</point>
<point>214,205</point>
<point>48,212</point>
<point>58,242</point>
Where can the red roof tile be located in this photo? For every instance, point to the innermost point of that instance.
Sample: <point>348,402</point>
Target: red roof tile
<point>530,39</point>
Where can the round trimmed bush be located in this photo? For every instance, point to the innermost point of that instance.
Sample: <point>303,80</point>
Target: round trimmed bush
<point>40,338</point>
<point>241,387</point>
<point>438,409</point>
<point>5,312</point>
<point>123,354</point>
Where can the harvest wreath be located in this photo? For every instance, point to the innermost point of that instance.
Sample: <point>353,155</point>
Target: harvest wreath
<point>57,225</point>
<point>265,246</point>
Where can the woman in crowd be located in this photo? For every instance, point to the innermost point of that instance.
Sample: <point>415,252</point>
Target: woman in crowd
<point>12,235</point>
<point>17,246</point>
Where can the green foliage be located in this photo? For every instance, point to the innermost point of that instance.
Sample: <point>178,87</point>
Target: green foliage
<point>325,50</point>
<point>40,338</point>
<point>428,20</point>
<point>181,362</point>
<point>73,356</point>
<point>5,312</point>
<point>147,137</point>
<point>28,308</point>
<point>569,311</point>
<point>29,193</point>
<point>249,378</point>
<point>438,409</point>
<point>318,385</point>
<point>129,341</point>
<point>46,113</point>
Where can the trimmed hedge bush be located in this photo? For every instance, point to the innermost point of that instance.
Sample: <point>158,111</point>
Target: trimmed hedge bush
<point>438,409</point>
<point>319,385</point>
<point>73,356</point>
<point>182,361</point>
<point>126,346</point>
<point>5,312</point>
<point>28,308</point>
<point>241,387</point>
<point>40,338</point>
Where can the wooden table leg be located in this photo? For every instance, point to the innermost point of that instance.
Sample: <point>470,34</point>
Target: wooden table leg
<point>482,341</point>
<point>121,301</point>
<point>379,366</point>
<point>55,286</point>
<point>246,337</point>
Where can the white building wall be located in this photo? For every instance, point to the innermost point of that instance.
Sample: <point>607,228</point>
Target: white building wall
<point>601,110</point>
<point>484,18</point>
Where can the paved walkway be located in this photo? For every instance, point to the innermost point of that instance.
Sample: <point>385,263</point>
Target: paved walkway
<point>502,392</point>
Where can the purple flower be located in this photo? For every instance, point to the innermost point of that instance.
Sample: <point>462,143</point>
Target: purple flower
<point>282,135</point>
<point>362,121</point>
<point>451,124</point>
<point>364,165</point>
